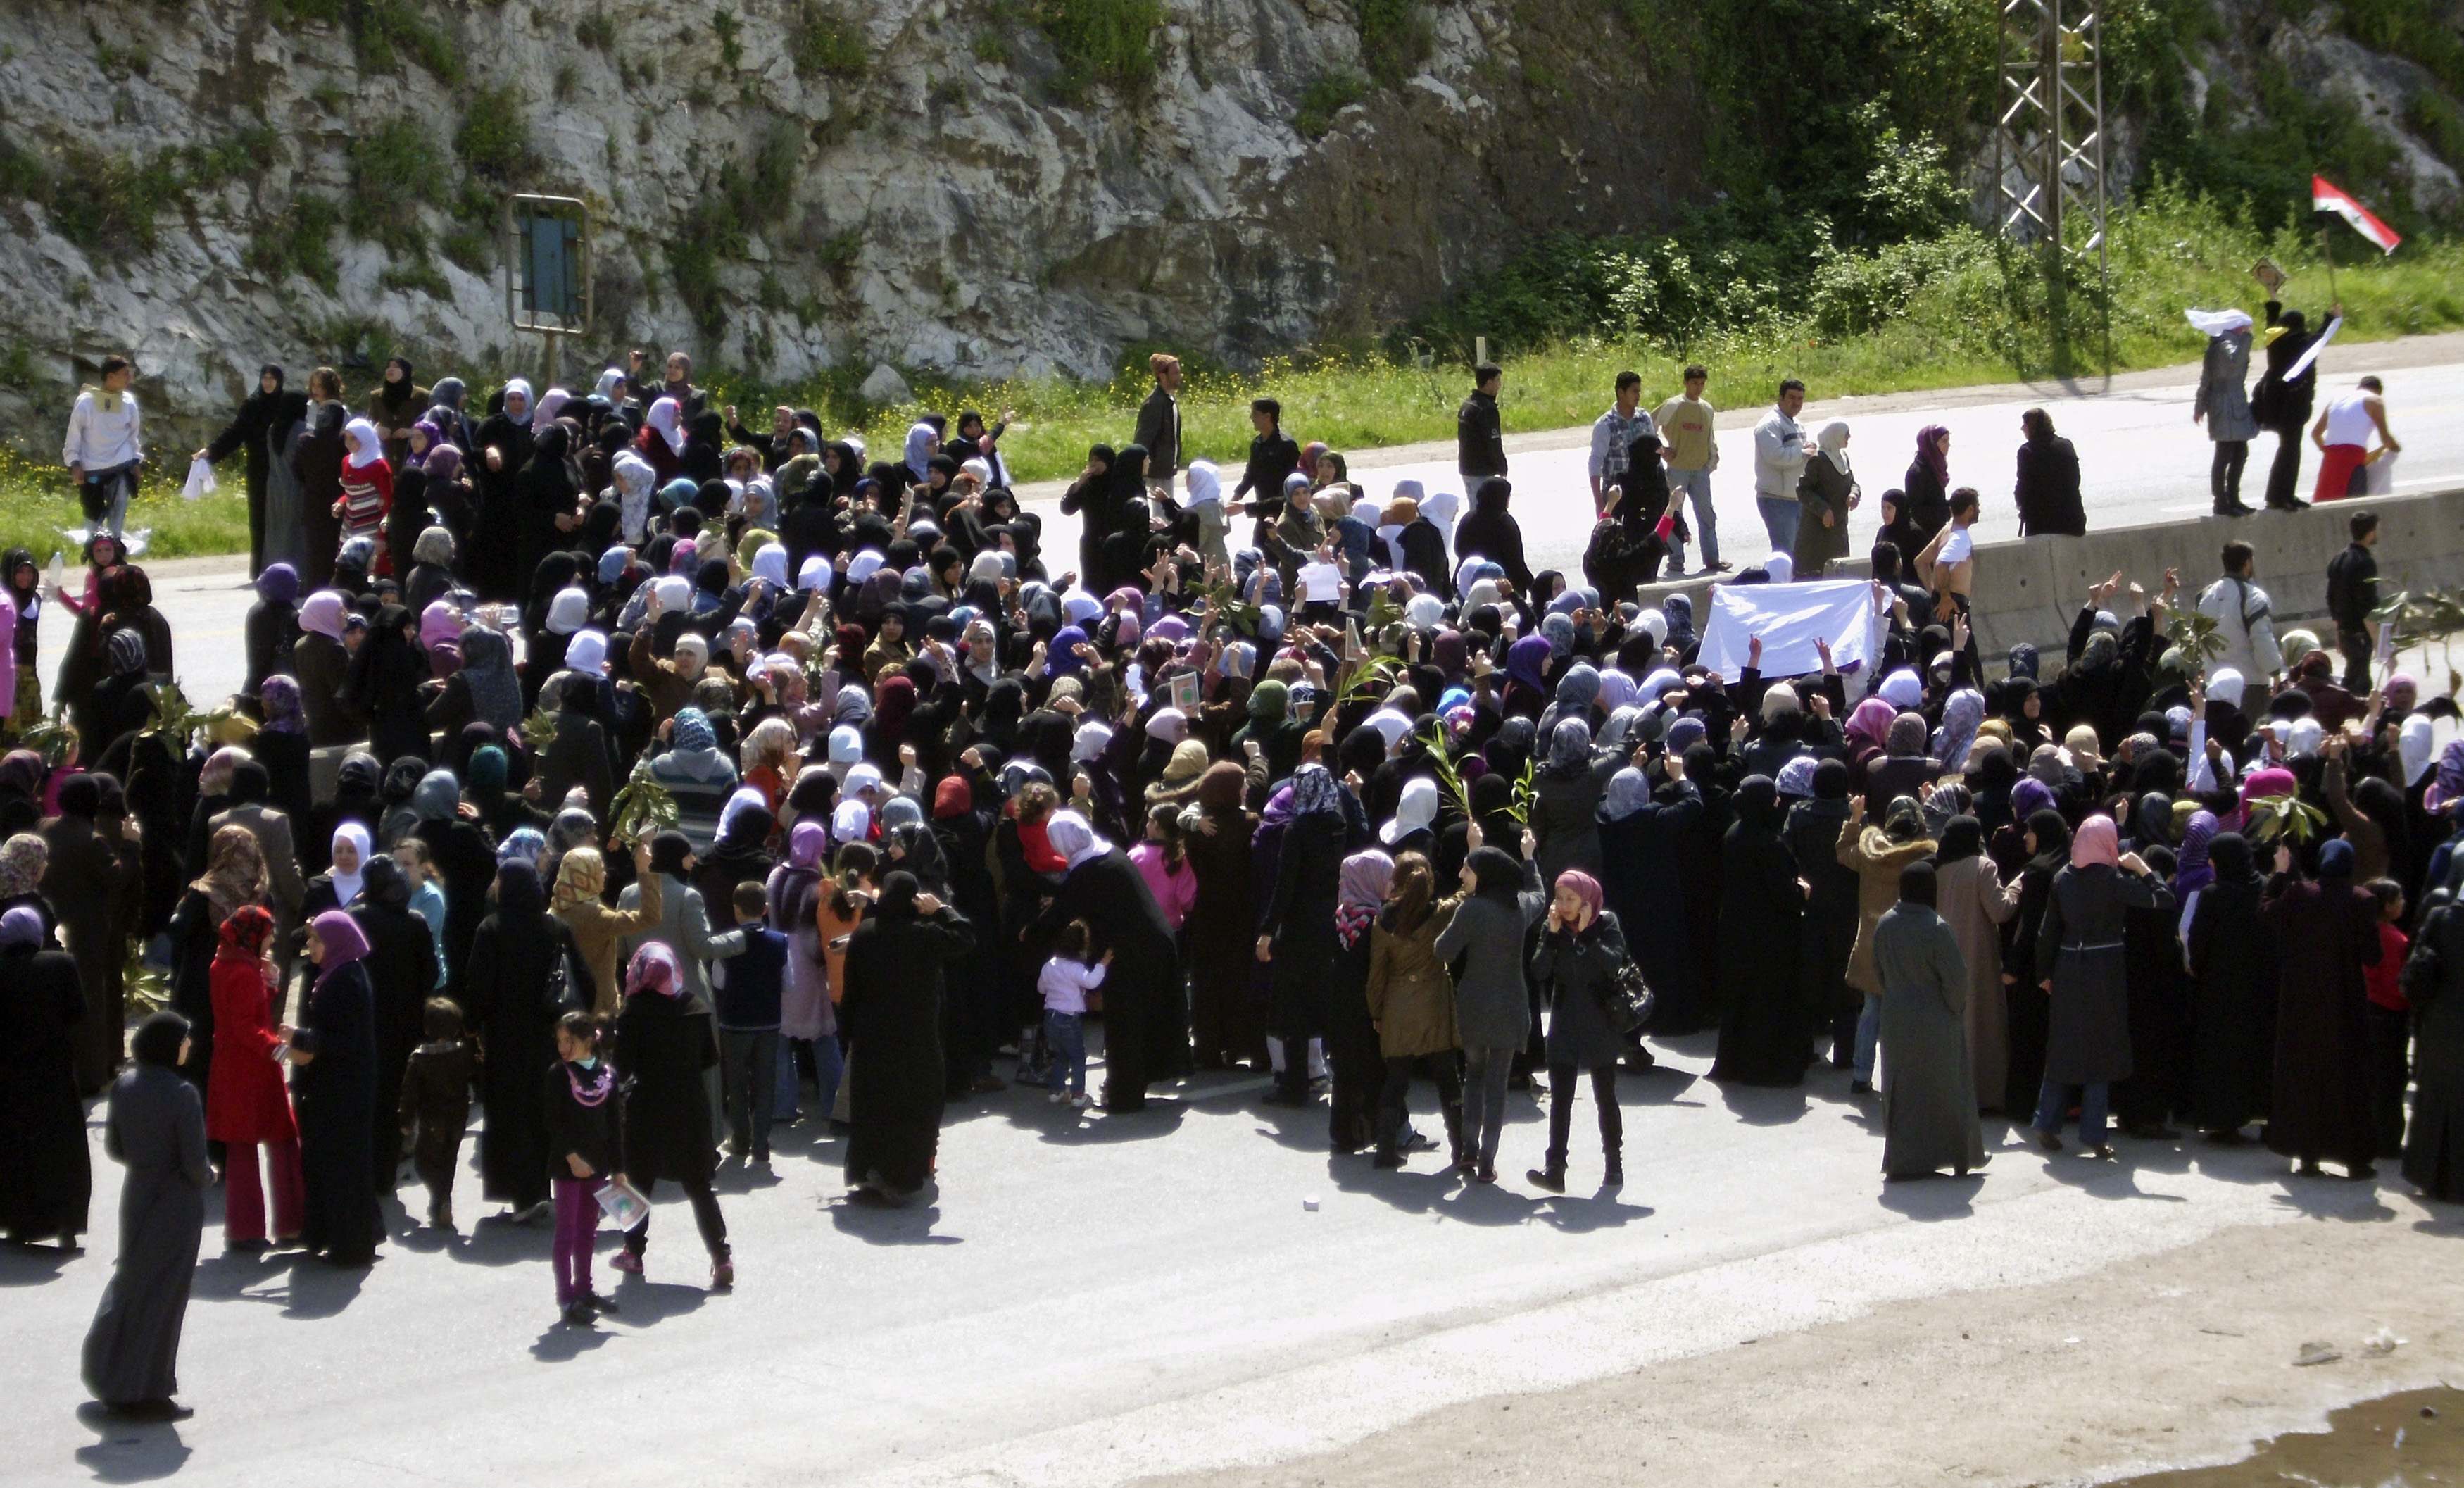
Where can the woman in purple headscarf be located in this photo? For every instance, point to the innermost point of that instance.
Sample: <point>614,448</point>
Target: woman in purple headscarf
<point>273,625</point>
<point>334,1087</point>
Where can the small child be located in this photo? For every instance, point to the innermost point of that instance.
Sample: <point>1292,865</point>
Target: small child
<point>1065,982</point>
<point>2391,1020</point>
<point>426,900</point>
<point>435,1105</point>
<point>582,1134</point>
<point>746,989</point>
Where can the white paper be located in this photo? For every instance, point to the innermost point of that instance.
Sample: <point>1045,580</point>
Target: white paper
<point>1790,618</point>
<point>1321,583</point>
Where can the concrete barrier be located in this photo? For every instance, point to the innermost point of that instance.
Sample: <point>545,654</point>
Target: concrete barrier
<point>2029,589</point>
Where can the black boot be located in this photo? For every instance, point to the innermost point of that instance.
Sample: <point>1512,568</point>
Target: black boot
<point>1615,1176</point>
<point>1458,1155</point>
<point>1552,1178</point>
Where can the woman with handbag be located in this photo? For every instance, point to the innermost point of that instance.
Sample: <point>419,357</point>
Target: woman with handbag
<point>1581,949</point>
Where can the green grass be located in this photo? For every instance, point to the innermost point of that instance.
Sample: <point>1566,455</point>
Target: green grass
<point>36,507</point>
<point>494,137</point>
<point>1108,42</point>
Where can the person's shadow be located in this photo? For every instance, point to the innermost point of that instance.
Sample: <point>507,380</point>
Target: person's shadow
<point>32,1265</point>
<point>878,1223</point>
<point>319,1290</point>
<point>563,1342</point>
<point>1931,1197</point>
<point>130,1452</point>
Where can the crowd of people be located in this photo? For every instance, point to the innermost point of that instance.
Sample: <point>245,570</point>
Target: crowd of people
<point>694,779</point>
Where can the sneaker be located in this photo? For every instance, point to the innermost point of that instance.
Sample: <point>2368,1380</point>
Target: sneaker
<point>1387,1157</point>
<point>1057,1096</point>
<point>1485,1172</point>
<point>598,1303</point>
<point>626,1262</point>
<point>1716,568</point>
<point>577,1315</point>
<point>722,1276</point>
<point>544,1209</point>
<point>1081,1101</point>
<point>1418,1141</point>
<point>1860,1087</point>
<point>1552,1178</point>
<point>2049,1141</point>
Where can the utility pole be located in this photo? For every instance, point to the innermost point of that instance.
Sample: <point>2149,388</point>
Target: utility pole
<point>2049,187</point>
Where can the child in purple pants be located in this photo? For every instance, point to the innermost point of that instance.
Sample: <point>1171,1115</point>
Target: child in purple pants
<point>581,1132</point>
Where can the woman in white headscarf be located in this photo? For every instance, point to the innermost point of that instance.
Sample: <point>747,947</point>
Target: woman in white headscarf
<point>2222,403</point>
<point>662,439</point>
<point>1146,1033</point>
<point>368,490</point>
<point>635,482</point>
<point>923,442</point>
<point>1826,493</point>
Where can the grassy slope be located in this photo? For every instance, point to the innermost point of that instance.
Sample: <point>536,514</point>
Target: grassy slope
<point>1975,325</point>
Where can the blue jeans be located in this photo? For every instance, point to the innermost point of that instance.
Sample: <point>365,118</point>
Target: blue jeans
<point>1869,1035</point>
<point>1779,520</point>
<point>1697,484</point>
<point>829,1066</point>
<point>1065,1033</point>
<point>2055,1098</point>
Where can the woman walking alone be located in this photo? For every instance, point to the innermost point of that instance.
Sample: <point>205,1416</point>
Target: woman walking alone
<point>157,1131</point>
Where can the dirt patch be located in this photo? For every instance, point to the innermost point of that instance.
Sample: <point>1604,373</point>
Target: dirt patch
<point>2178,1359</point>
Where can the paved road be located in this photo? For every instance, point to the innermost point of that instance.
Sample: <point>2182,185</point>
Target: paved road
<point>1095,1299</point>
<point>2142,462</point>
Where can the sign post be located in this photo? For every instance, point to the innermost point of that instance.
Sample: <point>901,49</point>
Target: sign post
<point>548,269</point>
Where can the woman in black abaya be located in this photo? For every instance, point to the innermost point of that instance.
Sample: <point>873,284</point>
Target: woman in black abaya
<point>509,998</point>
<point>157,1129</point>
<point>1145,1027</point>
<point>334,1088</point>
<point>891,1010</point>
<point>1766,962</point>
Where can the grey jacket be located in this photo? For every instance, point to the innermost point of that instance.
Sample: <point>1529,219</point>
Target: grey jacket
<point>684,924</point>
<point>2223,395</point>
<point>1493,1008</point>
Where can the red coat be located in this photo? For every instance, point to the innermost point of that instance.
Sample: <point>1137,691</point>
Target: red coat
<point>652,446</point>
<point>245,1102</point>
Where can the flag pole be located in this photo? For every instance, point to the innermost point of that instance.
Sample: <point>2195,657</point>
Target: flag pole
<point>2327,252</point>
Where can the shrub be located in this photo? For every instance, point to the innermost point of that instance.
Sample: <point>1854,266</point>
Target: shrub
<point>1326,97</point>
<point>823,44</point>
<point>494,137</point>
<point>1395,39</point>
<point>390,166</point>
<point>105,202</point>
<point>469,248</point>
<point>596,31</point>
<point>1106,42</point>
<point>299,243</point>
<point>387,31</point>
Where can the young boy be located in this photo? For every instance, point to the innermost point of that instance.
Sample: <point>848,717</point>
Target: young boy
<point>2390,1015</point>
<point>436,1105</point>
<point>1065,982</point>
<point>746,993</point>
<point>582,1134</point>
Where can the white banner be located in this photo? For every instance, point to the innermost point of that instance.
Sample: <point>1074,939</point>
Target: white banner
<point>1790,618</point>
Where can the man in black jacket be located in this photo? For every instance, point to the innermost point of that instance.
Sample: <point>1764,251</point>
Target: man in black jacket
<point>2352,593</point>
<point>1159,420</point>
<point>1272,455</point>
<point>1480,438</point>
<point>2283,406</point>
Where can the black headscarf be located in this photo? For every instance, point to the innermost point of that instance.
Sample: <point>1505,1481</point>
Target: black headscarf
<point>2053,839</point>
<point>519,895</point>
<point>2228,854</point>
<point>1830,781</point>
<point>384,882</point>
<point>1758,801</point>
<point>81,795</point>
<point>668,851</point>
<point>1498,875</point>
<point>1916,884</point>
<point>897,901</point>
<point>1963,837</point>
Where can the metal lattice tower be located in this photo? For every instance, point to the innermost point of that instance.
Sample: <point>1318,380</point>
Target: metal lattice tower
<point>2048,129</point>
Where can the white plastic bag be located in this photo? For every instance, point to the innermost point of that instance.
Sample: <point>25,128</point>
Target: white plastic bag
<point>201,480</point>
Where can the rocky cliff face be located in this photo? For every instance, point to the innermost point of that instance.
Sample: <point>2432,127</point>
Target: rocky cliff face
<point>786,185</point>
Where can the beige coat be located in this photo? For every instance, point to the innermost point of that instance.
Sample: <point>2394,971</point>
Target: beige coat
<point>1970,895</point>
<point>1876,860</point>
<point>599,931</point>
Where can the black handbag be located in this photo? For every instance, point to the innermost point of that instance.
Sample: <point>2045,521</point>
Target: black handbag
<point>1629,1000</point>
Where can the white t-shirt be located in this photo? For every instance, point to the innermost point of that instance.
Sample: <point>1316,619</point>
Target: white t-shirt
<point>1065,982</point>
<point>1956,549</point>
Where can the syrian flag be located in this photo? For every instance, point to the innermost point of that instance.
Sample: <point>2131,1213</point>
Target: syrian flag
<point>2327,197</point>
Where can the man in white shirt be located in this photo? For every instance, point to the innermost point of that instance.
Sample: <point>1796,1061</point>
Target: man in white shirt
<point>1780,452</point>
<point>2245,620</point>
<point>102,451</point>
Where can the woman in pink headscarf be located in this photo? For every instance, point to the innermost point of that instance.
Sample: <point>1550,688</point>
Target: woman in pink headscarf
<point>2081,961</point>
<point>334,1087</point>
<point>1581,948</point>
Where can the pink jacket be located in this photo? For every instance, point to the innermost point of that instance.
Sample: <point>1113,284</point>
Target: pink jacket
<point>1176,892</point>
